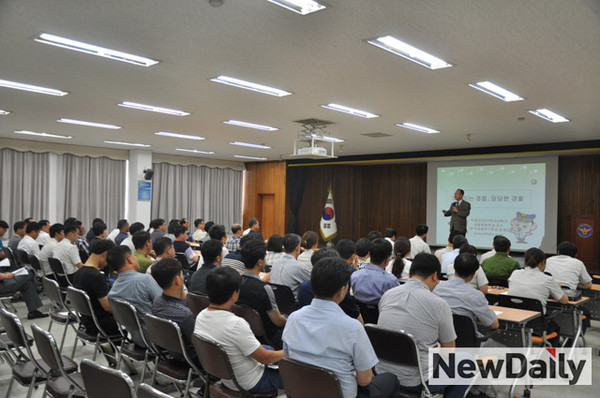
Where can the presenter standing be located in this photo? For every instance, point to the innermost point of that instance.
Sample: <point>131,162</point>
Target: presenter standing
<point>459,211</point>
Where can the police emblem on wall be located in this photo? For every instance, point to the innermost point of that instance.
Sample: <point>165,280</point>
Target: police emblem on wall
<point>584,230</point>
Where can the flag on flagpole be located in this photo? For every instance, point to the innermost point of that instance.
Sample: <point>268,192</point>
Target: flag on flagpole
<point>328,224</point>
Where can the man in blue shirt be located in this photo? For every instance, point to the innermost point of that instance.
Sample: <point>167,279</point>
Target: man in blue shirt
<point>369,283</point>
<point>322,334</point>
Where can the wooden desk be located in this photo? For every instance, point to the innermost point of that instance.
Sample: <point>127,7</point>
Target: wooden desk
<point>514,315</point>
<point>497,290</point>
<point>504,290</point>
<point>595,287</point>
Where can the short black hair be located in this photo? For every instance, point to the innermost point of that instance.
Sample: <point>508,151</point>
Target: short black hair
<point>465,265</point>
<point>252,251</point>
<point>501,244</point>
<point>3,224</point>
<point>290,242</point>
<point>248,237</point>
<point>71,228</point>
<point>363,247</point>
<point>139,239</point>
<point>160,245</point>
<point>217,231</point>
<point>275,243</point>
<point>207,225</point>
<point>121,223</point>
<point>56,229</point>
<point>421,229</point>
<point>211,249</point>
<point>252,222</point>
<point>97,219</point>
<point>462,192</point>
<point>458,241</point>
<point>221,283</point>
<point>325,252</point>
<point>328,276</point>
<point>28,220</point>
<point>380,250</point>
<point>136,227</point>
<point>165,270</point>
<point>43,223</point>
<point>567,248</point>
<point>309,239</point>
<point>425,265</point>
<point>235,228</point>
<point>101,245</point>
<point>117,256</point>
<point>346,248</point>
<point>70,220</point>
<point>31,227</point>
<point>178,230</point>
<point>157,222</point>
<point>469,249</point>
<point>173,224</point>
<point>390,233</point>
<point>198,221</point>
<point>534,257</point>
<point>374,235</point>
<point>453,234</point>
<point>18,225</point>
<point>183,220</point>
<point>98,228</point>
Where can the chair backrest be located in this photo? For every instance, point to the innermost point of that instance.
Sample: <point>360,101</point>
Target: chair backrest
<point>525,303</point>
<point>212,357</point>
<point>252,317</point>
<point>466,335</point>
<point>13,328</point>
<point>12,257</point>
<point>34,261</point>
<point>286,302</point>
<point>126,315</point>
<point>146,391</point>
<point>497,282</point>
<point>99,379</point>
<point>182,258</point>
<point>47,348</point>
<point>197,302</point>
<point>80,301</point>
<point>304,380</point>
<point>393,346</point>
<point>23,256</point>
<point>58,269</point>
<point>53,291</point>
<point>369,312</point>
<point>164,333</point>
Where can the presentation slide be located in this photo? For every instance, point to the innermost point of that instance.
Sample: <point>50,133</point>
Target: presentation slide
<point>514,199</point>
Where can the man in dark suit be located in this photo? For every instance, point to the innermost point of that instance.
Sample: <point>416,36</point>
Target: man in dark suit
<point>459,211</point>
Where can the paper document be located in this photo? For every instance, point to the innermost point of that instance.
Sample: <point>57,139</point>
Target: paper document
<point>5,263</point>
<point>21,271</point>
<point>498,312</point>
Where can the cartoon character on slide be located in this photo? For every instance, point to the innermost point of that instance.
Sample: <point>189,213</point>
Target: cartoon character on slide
<point>522,226</point>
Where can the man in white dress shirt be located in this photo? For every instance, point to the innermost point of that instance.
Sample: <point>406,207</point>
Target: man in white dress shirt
<point>417,242</point>
<point>67,251</point>
<point>457,242</point>
<point>28,242</point>
<point>57,233</point>
<point>567,270</point>
<point>44,236</point>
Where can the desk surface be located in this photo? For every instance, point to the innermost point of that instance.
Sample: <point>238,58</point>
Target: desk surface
<point>595,287</point>
<point>515,315</point>
<point>504,290</point>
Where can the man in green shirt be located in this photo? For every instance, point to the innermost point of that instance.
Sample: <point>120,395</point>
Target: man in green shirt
<point>143,247</point>
<point>500,265</point>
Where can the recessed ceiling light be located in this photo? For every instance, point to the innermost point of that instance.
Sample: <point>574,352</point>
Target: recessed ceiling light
<point>232,81</point>
<point>549,115</point>
<point>66,137</point>
<point>195,151</point>
<point>176,135</point>
<point>324,138</point>
<point>302,7</point>
<point>152,108</point>
<point>29,87</point>
<point>127,143</point>
<point>3,112</point>
<point>90,124</point>
<point>416,127</point>
<point>94,50</point>
<point>496,91</point>
<point>351,111</point>
<point>250,125</point>
<point>398,47</point>
<point>249,145</point>
<point>249,157</point>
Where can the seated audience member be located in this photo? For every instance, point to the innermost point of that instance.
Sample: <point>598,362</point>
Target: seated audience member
<point>28,243</point>
<point>90,233</point>
<point>390,235</point>
<point>143,247</point>
<point>138,289</point>
<point>306,295</point>
<point>532,282</point>
<point>3,228</point>
<point>19,229</point>
<point>313,335</point>
<point>490,253</point>
<point>413,307</point>
<point>171,304</point>
<point>11,283</point>
<point>57,233</point>
<point>288,270</point>
<point>99,230</point>
<point>479,281</point>
<point>400,267</point>
<point>81,242</point>
<point>233,242</point>
<point>199,234</point>
<point>363,247</point>
<point>310,243</point>
<point>186,224</point>
<point>369,283</point>
<point>500,265</point>
<point>171,229</point>
<point>347,251</point>
<point>256,294</point>
<point>133,229</point>
<point>234,259</point>
<point>207,227</point>
<point>417,242</point>
<point>253,228</point>
<point>67,251</point>
<point>439,253</point>
<point>123,227</point>
<point>89,279</point>
<point>374,235</point>
<point>274,249</point>
<point>158,227</point>
<point>217,323</point>
<point>218,232</point>
<point>462,298</point>
<point>567,270</point>
<point>181,246</point>
<point>211,253</point>
<point>44,236</point>
<point>163,248</point>
<point>457,242</point>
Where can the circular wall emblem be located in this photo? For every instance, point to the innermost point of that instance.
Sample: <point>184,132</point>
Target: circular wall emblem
<point>584,230</point>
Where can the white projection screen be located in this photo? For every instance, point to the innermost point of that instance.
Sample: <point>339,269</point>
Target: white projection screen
<point>516,198</point>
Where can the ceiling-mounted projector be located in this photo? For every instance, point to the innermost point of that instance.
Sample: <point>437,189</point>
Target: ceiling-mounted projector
<point>316,148</point>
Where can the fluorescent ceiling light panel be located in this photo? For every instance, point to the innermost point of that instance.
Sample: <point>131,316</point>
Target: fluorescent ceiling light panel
<point>259,88</point>
<point>89,124</point>
<point>152,108</point>
<point>496,91</point>
<point>34,89</point>
<point>176,135</point>
<point>302,7</point>
<point>66,137</point>
<point>250,125</point>
<point>3,112</point>
<point>351,111</point>
<point>324,137</point>
<point>249,145</point>
<point>195,151</point>
<point>94,50</point>
<point>249,157</point>
<point>549,115</point>
<point>416,127</point>
<point>398,47</point>
<point>127,143</point>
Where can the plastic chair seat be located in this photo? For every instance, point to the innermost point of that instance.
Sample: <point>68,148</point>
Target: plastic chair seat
<point>9,344</point>
<point>173,368</point>
<point>91,337</point>
<point>62,316</point>
<point>540,339</point>
<point>23,372</point>
<point>59,387</point>
<point>408,394</point>
<point>220,390</point>
<point>135,352</point>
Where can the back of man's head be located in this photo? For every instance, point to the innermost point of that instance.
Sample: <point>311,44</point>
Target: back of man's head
<point>374,235</point>
<point>208,225</point>
<point>136,227</point>
<point>453,234</point>
<point>253,251</point>
<point>18,225</point>
<point>117,257</point>
<point>32,227</point>
<point>328,276</point>
<point>98,228</point>
<point>211,249</point>
<point>252,222</point>
<point>381,249</point>
<point>424,265</point>
<point>217,232</point>
<point>501,244</point>
<point>178,230</point>
<point>3,224</point>
<point>389,233</point>
<point>173,224</point>
<point>346,248</point>
<point>70,220</point>
<point>465,265</point>
<point>274,244</point>
<point>161,245</point>
<point>290,242</point>
<point>319,254</point>
<point>363,246</point>
<point>139,239</point>
<point>468,249</point>
<point>458,241</point>
<point>56,229</point>
<point>567,248</point>
<point>221,283</point>
<point>165,270</point>
<point>101,246</point>
<point>121,224</point>
<point>235,228</point>
<point>421,229</point>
